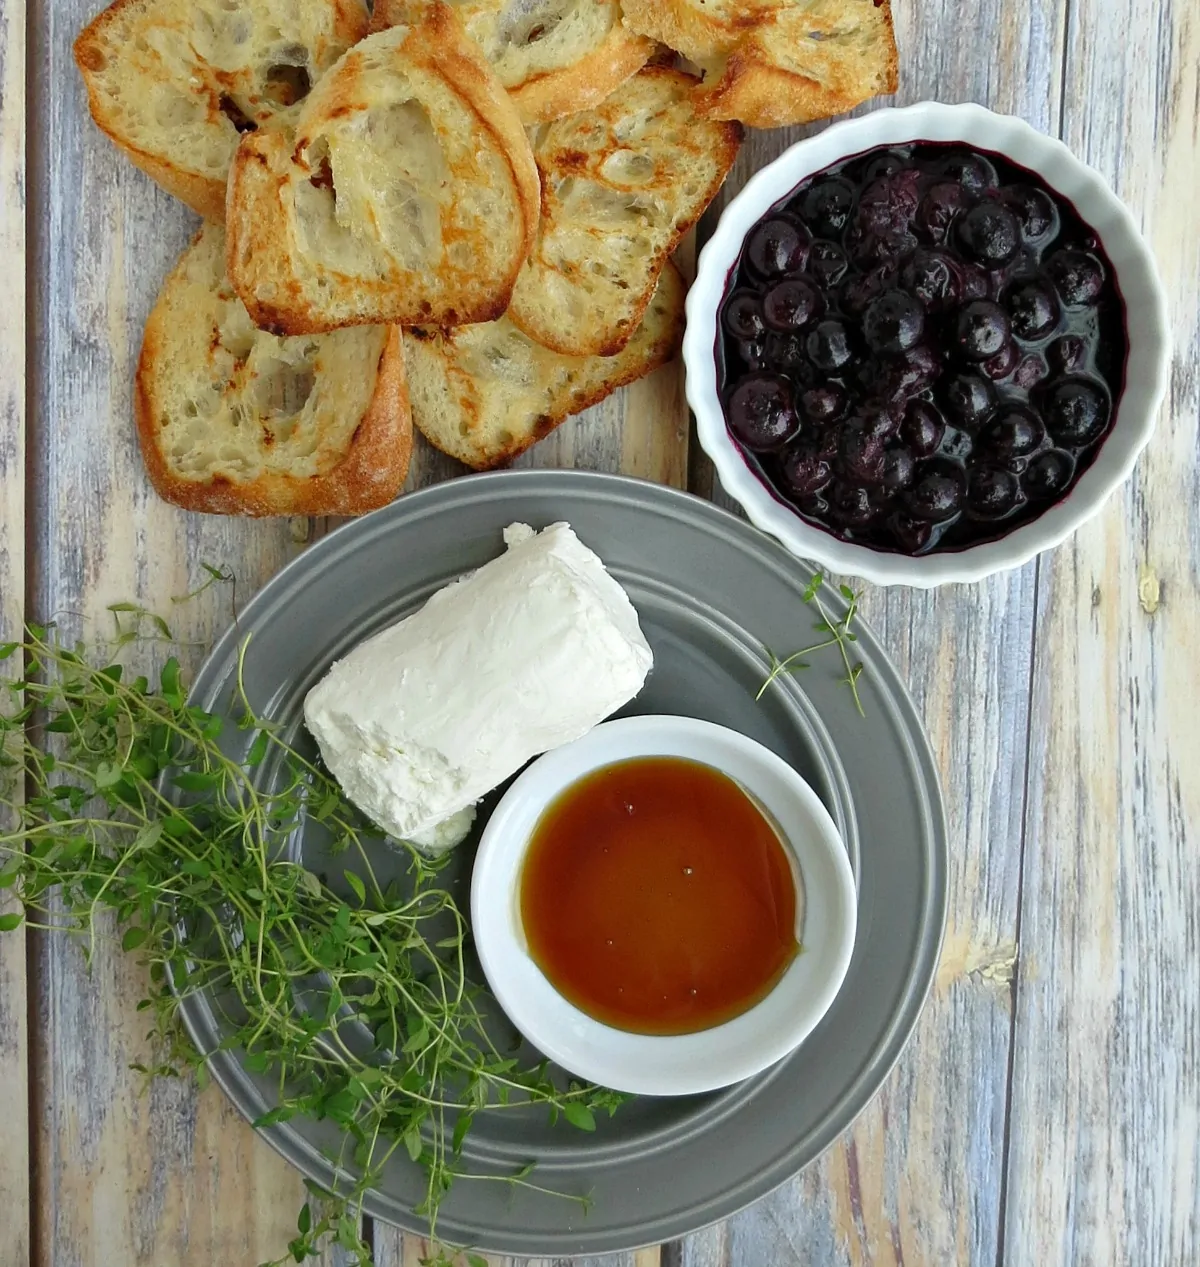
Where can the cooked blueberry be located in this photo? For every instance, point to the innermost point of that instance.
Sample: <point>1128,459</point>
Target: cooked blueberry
<point>753,353</point>
<point>776,247</point>
<point>880,423</point>
<point>887,205</point>
<point>1033,209</point>
<point>911,534</point>
<point>761,413</point>
<point>827,263</point>
<point>805,470</point>
<point>922,428</point>
<point>743,315</point>
<point>885,164</point>
<point>894,380</point>
<point>899,466</point>
<point>786,352</point>
<point>1030,371</point>
<point>860,289</point>
<point>967,398</point>
<point>823,404</point>
<point>1013,432</point>
<point>938,208</point>
<point>1067,353</point>
<point>972,171</point>
<point>932,278</point>
<point>973,282</point>
<point>829,346</point>
<point>992,492</point>
<point>989,234</point>
<point>893,323</point>
<point>792,304</point>
<point>826,206</point>
<point>981,329</point>
<point>1003,363</point>
<point>850,504</point>
<point>1078,276</point>
<point>1049,473</point>
<point>1032,307</point>
<point>861,454</point>
<point>1076,410</point>
<point>937,493</point>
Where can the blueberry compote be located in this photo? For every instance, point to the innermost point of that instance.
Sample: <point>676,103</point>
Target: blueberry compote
<point>921,348</point>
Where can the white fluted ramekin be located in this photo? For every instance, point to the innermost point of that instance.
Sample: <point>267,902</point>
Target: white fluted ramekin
<point>1146,366</point>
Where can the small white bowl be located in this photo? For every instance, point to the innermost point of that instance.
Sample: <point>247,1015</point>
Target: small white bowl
<point>678,1064</point>
<point>1136,276</point>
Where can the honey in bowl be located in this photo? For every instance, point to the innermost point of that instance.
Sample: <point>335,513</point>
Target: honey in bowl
<point>657,897</point>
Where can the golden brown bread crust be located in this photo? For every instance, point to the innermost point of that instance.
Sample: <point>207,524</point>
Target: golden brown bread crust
<point>269,159</point>
<point>204,194</point>
<point>370,474</point>
<point>755,89</point>
<point>464,430</point>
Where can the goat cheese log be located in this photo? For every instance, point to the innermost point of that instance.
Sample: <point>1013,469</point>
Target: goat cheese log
<point>524,655</point>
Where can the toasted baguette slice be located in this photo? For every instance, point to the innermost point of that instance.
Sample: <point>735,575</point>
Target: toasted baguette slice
<point>772,63</point>
<point>553,56</point>
<point>406,193</point>
<point>621,184</point>
<point>175,82</point>
<point>805,62</point>
<point>485,393</point>
<point>234,421</point>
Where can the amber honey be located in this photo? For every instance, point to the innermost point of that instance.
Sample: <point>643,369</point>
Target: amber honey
<point>658,898</point>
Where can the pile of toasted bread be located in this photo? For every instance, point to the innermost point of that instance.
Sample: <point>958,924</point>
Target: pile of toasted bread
<point>459,215</point>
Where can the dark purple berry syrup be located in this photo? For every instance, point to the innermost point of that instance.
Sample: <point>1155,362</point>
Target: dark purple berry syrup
<point>921,348</point>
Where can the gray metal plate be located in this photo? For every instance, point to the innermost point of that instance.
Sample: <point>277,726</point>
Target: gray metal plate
<point>712,593</point>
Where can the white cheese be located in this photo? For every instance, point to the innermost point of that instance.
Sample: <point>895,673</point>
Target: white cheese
<point>524,655</point>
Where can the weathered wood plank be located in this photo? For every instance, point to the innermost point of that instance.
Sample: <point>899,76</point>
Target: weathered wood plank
<point>1104,1164</point>
<point>121,1176</point>
<point>14,1056</point>
<point>919,1178</point>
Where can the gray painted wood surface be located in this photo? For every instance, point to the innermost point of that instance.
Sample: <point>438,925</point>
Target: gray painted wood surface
<point>1049,1106</point>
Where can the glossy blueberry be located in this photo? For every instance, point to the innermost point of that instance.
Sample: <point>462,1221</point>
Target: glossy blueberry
<point>1032,307</point>
<point>1078,276</point>
<point>981,329</point>
<point>753,353</point>
<point>992,492</point>
<point>885,164</point>
<point>893,323</point>
<point>937,494</point>
<point>785,352</point>
<point>967,398</point>
<point>792,304</point>
<point>777,247</point>
<point>912,535</point>
<point>1049,473</point>
<point>761,413</point>
<point>887,205</point>
<point>989,234</point>
<point>861,455</point>
<point>932,278</point>
<point>1067,354</point>
<point>829,345</point>
<point>805,470</point>
<point>742,315</point>
<point>861,288</point>
<point>1030,371</point>
<point>850,504</point>
<point>922,428</point>
<point>939,206</point>
<point>899,467</point>
<point>972,171</point>
<point>1003,363</point>
<point>827,263</point>
<point>1076,410</point>
<point>1034,211</point>
<point>1013,432</point>
<point>825,207</point>
<point>823,404</point>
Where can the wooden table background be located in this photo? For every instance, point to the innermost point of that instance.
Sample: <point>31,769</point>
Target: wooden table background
<point>1048,1108</point>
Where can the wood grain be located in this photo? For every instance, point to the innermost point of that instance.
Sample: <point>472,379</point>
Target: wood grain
<point>14,1055</point>
<point>919,1178</point>
<point>1104,1164</point>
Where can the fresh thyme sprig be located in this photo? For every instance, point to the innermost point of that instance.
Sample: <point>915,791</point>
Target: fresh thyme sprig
<point>839,634</point>
<point>116,795</point>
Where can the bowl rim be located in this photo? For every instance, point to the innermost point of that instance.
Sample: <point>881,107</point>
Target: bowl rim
<point>1136,274</point>
<point>645,1064</point>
